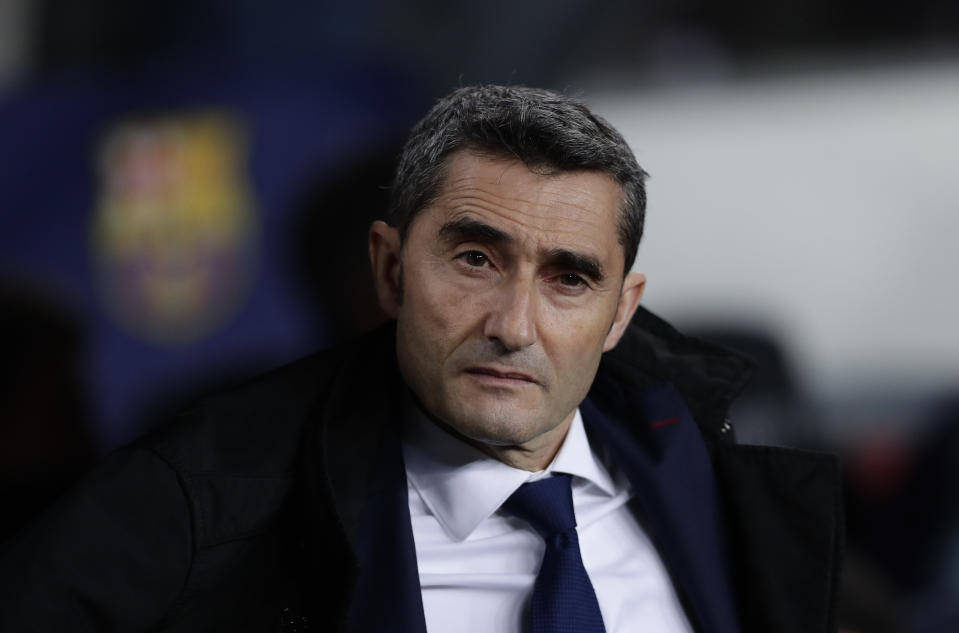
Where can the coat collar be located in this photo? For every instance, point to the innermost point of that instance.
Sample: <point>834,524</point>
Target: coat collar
<point>652,352</point>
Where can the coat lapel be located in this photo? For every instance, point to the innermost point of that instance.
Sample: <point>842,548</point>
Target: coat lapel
<point>357,493</point>
<point>667,463</point>
<point>388,595</point>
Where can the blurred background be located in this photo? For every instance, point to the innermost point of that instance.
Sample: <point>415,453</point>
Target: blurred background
<point>185,189</point>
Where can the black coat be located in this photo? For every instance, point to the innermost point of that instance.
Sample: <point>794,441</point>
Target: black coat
<point>248,514</point>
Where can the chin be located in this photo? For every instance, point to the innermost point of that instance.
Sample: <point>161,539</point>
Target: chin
<point>499,428</point>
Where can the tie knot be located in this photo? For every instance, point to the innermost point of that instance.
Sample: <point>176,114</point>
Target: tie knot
<point>546,504</point>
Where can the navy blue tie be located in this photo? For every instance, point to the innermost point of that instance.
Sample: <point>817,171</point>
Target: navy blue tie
<point>563,596</point>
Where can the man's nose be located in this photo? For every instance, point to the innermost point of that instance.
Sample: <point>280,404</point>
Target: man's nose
<point>512,315</point>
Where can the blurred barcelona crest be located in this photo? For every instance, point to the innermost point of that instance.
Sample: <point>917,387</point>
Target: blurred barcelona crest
<point>173,231</point>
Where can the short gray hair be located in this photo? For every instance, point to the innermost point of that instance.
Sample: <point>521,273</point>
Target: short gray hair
<point>543,129</point>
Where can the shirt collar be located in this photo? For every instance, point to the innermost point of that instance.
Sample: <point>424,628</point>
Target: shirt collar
<point>462,486</point>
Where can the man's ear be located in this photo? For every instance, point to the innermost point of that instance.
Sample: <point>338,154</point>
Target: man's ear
<point>385,259</point>
<point>633,287</point>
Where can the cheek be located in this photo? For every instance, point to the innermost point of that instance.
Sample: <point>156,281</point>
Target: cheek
<point>581,325</point>
<point>436,309</point>
<point>448,289</point>
<point>575,341</point>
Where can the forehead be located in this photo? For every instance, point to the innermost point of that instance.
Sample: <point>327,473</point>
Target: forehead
<point>572,208</point>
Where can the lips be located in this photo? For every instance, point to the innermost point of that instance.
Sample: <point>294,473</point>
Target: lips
<point>501,374</point>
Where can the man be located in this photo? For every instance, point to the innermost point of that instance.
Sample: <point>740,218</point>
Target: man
<point>523,449</point>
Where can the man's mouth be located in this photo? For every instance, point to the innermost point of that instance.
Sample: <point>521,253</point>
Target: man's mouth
<point>505,375</point>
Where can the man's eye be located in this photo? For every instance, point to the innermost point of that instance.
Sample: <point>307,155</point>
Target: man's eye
<point>572,280</point>
<point>475,258</point>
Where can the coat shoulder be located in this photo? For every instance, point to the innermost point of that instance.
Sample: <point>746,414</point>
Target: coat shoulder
<point>253,428</point>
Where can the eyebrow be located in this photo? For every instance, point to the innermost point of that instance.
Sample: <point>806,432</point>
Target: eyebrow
<point>469,230</point>
<point>586,265</point>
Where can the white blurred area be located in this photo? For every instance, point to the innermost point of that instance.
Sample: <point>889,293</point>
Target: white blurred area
<point>822,207</point>
<point>14,39</point>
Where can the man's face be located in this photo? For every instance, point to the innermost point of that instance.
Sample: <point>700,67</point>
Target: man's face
<point>506,292</point>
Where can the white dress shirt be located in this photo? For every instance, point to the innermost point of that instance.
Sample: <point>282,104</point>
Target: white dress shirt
<point>477,566</point>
